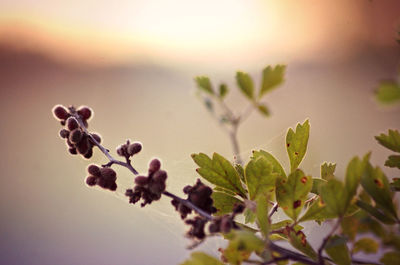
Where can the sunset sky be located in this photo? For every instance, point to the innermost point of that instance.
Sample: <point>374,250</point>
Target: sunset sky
<point>134,62</point>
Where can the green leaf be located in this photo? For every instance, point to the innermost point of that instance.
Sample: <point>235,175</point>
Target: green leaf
<point>249,216</point>
<point>200,258</point>
<point>395,185</point>
<point>393,161</point>
<point>338,251</point>
<point>391,258</point>
<point>241,245</point>
<point>328,170</point>
<point>390,141</point>
<point>317,211</point>
<point>220,172</point>
<point>220,189</point>
<point>245,84</point>
<point>292,192</point>
<point>376,185</point>
<point>240,171</point>
<point>224,202</point>
<point>262,214</point>
<point>354,171</point>
<point>334,195</point>
<point>388,92</point>
<point>296,143</point>
<point>366,245</point>
<point>203,83</point>
<point>223,91</point>
<point>281,224</point>
<point>316,184</point>
<point>276,166</point>
<point>262,108</point>
<point>298,240</point>
<point>272,77</point>
<point>259,177</point>
<point>376,212</point>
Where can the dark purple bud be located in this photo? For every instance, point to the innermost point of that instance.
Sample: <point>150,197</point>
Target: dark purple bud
<point>75,136</point>
<point>134,148</point>
<point>60,112</point>
<point>91,180</point>
<point>85,112</point>
<point>94,170</point>
<point>72,123</point>
<point>64,133</point>
<point>154,166</point>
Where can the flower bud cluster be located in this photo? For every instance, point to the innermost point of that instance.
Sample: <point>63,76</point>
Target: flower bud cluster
<point>104,177</point>
<point>149,188</point>
<point>197,227</point>
<point>199,195</point>
<point>127,150</point>
<point>78,142</point>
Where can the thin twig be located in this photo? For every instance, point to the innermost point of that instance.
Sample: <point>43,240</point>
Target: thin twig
<point>273,210</point>
<point>326,239</point>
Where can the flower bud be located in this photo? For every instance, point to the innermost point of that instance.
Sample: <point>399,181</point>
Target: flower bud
<point>96,137</point>
<point>160,176</point>
<point>94,170</point>
<point>60,112</point>
<point>85,112</point>
<point>89,153</point>
<point>72,123</point>
<point>154,166</point>
<point>64,133</point>
<point>141,180</point>
<point>72,151</point>
<point>91,180</point>
<point>75,136</point>
<point>108,174</point>
<point>134,148</point>
<point>83,146</point>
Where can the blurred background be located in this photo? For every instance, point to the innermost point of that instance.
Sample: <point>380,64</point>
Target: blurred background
<point>133,62</point>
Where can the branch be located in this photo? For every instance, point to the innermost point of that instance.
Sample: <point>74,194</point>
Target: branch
<point>273,210</point>
<point>128,165</point>
<point>326,239</point>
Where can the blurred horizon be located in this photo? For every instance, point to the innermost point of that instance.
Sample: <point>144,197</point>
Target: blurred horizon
<point>134,62</point>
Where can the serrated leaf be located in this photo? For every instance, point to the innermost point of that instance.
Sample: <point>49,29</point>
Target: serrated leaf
<point>292,192</point>
<point>334,195</point>
<point>262,108</point>
<point>220,189</point>
<point>395,185</point>
<point>337,249</point>
<point>245,84</point>
<point>354,171</point>
<point>249,216</point>
<point>262,214</point>
<point>204,83</point>
<point>366,245</point>
<point>393,161</point>
<point>200,258</point>
<point>259,177</point>
<point>241,245</point>
<point>240,171</point>
<point>224,202</point>
<point>376,185</point>
<point>376,212</point>
<point>281,224</point>
<point>388,92</point>
<point>296,143</point>
<point>223,90</point>
<point>272,78</point>
<point>317,211</point>
<point>316,184</point>
<point>390,141</point>
<point>328,170</point>
<point>298,240</point>
<point>391,258</point>
<point>276,166</point>
<point>219,171</point>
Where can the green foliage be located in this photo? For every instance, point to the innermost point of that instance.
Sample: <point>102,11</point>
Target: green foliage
<point>263,109</point>
<point>291,192</point>
<point>200,258</point>
<point>276,166</point>
<point>388,92</point>
<point>241,245</point>
<point>390,140</point>
<point>296,144</point>
<point>335,197</point>
<point>204,83</point>
<point>298,240</point>
<point>220,172</point>
<point>262,214</point>
<point>393,161</point>
<point>224,202</point>
<point>391,258</point>
<point>337,249</point>
<point>328,170</point>
<point>366,245</point>
<point>272,77</point>
<point>223,91</point>
<point>245,84</point>
<point>260,179</point>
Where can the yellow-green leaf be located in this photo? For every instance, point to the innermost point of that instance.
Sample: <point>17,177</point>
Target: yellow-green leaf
<point>203,83</point>
<point>298,240</point>
<point>224,202</point>
<point>272,78</point>
<point>388,92</point>
<point>390,141</point>
<point>328,170</point>
<point>317,211</point>
<point>316,184</point>
<point>296,143</point>
<point>262,108</point>
<point>245,84</point>
<point>262,214</point>
<point>337,249</point>
<point>366,245</point>
<point>292,192</point>
<point>220,172</point>
<point>200,258</point>
<point>391,258</point>
<point>276,166</point>
<point>354,171</point>
<point>223,91</point>
<point>259,177</point>
<point>334,195</point>
<point>376,212</point>
<point>241,244</point>
<point>393,161</point>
